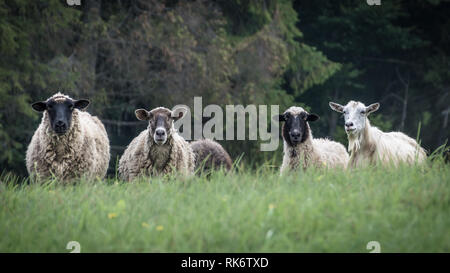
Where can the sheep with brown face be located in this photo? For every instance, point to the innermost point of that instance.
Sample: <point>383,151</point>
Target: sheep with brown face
<point>210,155</point>
<point>157,150</point>
<point>69,142</point>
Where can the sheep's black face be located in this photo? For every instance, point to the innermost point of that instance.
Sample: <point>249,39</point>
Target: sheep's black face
<point>60,112</point>
<point>295,129</point>
<point>160,122</point>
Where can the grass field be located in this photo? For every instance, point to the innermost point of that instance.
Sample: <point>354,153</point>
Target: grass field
<point>405,209</point>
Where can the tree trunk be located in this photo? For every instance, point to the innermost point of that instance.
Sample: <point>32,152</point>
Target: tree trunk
<point>404,110</point>
<point>405,83</point>
<point>332,121</point>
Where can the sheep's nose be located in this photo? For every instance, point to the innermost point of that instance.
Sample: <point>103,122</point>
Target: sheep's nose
<point>60,124</point>
<point>349,124</point>
<point>160,132</point>
<point>295,133</point>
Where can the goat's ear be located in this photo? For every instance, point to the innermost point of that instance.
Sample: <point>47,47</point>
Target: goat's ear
<point>178,113</point>
<point>336,107</point>
<point>142,114</point>
<point>312,117</point>
<point>81,104</point>
<point>372,108</point>
<point>39,106</point>
<point>280,117</point>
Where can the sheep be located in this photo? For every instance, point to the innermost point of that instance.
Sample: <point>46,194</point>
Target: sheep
<point>210,155</point>
<point>69,142</point>
<point>368,145</point>
<point>159,149</point>
<point>301,149</point>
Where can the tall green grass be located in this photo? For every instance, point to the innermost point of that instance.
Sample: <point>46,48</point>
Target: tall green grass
<point>405,209</point>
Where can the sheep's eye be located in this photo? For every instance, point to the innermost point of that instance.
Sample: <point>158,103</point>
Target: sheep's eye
<point>49,106</point>
<point>363,112</point>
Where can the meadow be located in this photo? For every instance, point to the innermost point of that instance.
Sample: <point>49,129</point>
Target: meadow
<point>405,209</point>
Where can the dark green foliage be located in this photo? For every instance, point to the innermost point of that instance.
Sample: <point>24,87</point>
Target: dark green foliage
<point>393,53</point>
<point>32,33</point>
<point>124,55</point>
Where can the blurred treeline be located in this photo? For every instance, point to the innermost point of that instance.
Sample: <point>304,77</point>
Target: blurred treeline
<point>128,54</point>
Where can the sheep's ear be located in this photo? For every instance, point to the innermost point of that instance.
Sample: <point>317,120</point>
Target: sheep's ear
<point>81,104</point>
<point>312,117</point>
<point>178,113</point>
<point>39,106</point>
<point>142,114</point>
<point>336,107</point>
<point>372,108</point>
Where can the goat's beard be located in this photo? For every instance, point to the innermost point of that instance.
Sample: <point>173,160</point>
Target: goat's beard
<point>354,141</point>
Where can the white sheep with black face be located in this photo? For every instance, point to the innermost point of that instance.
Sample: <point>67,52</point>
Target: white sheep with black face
<point>301,149</point>
<point>69,142</point>
<point>368,144</point>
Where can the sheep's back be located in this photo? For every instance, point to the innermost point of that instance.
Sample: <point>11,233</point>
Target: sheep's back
<point>133,158</point>
<point>98,142</point>
<point>331,153</point>
<point>185,160</point>
<point>34,153</point>
<point>210,155</point>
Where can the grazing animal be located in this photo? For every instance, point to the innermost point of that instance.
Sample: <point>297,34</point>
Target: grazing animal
<point>368,145</point>
<point>68,143</point>
<point>210,155</point>
<point>301,149</point>
<point>157,150</point>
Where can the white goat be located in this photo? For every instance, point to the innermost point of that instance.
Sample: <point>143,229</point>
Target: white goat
<point>368,145</point>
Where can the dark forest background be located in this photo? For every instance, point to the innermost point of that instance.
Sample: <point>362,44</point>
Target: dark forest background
<point>128,54</point>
